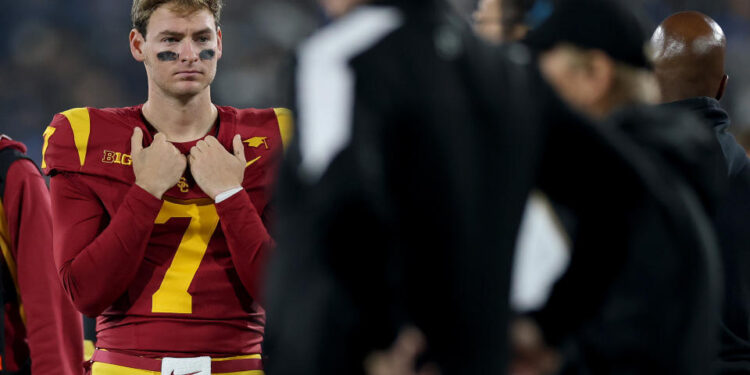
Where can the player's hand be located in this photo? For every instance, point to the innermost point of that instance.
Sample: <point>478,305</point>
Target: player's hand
<point>531,356</point>
<point>401,358</point>
<point>157,167</point>
<point>215,169</point>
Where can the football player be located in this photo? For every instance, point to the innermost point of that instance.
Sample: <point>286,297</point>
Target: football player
<point>41,332</point>
<point>160,208</point>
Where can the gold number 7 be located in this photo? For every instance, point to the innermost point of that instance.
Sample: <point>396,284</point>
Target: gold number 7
<point>172,296</point>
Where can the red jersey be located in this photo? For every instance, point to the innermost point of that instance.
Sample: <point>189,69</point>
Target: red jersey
<point>172,277</point>
<point>42,322</point>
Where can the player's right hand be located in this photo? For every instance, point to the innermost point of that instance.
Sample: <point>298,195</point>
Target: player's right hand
<point>157,167</point>
<point>402,357</point>
<point>531,354</point>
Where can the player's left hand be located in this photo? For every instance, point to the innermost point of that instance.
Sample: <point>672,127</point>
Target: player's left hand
<point>401,358</point>
<point>215,169</point>
<point>532,356</point>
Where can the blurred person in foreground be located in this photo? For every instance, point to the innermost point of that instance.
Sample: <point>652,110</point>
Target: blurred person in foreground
<point>41,332</point>
<point>160,209</point>
<point>650,309</point>
<point>543,248</point>
<point>401,197</point>
<point>689,50</point>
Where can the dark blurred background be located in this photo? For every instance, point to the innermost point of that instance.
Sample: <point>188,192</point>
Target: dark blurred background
<point>58,55</point>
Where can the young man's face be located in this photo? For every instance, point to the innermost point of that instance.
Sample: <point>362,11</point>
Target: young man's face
<point>180,50</point>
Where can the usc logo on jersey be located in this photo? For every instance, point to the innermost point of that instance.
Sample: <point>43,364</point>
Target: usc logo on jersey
<point>183,185</point>
<point>112,157</point>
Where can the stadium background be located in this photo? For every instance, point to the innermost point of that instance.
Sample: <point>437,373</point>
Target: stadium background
<point>58,55</point>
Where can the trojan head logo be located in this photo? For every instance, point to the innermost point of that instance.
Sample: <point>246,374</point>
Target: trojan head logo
<point>112,157</point>
<point>183,185</point>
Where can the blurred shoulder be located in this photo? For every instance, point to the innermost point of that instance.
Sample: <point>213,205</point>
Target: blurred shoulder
<point>351,35</point>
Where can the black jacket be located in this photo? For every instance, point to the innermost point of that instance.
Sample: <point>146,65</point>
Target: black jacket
<point>734,239</point>
<point>414,219</point>
<point>639,306</point>
<point>709,109</point>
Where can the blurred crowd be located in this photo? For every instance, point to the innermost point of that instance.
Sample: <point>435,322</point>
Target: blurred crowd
<point>58,55</point>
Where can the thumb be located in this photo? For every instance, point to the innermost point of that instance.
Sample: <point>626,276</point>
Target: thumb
<point>239,150</point>
<point>136,141</point>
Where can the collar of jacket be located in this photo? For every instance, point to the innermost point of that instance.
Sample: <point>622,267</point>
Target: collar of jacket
<point>708,109</point>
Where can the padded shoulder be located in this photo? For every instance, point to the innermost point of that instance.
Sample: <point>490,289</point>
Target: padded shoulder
<point>90,141</point>
<point>276,124</point>
<point>265,133</point>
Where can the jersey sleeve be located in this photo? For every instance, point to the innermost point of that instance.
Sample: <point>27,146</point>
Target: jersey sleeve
<point>96,266</point>
<point>53,326</point>
<point>248,241</point>
<point>66,141</point>
<point>267,131</point>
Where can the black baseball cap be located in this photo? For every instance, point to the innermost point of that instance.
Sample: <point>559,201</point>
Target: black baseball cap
<point>607,25</point>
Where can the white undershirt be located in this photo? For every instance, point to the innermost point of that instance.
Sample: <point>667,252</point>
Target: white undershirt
<point>227,194</point>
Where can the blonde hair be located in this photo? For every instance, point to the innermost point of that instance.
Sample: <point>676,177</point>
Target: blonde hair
<point>143,9</point>
<point>631,85</point>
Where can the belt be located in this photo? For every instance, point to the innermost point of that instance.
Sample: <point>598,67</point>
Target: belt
<point>218,365</point>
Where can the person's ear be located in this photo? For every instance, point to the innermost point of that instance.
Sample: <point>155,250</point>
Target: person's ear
<point>722,87</point>
<point>136,45</point>
<point>219,43</point>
